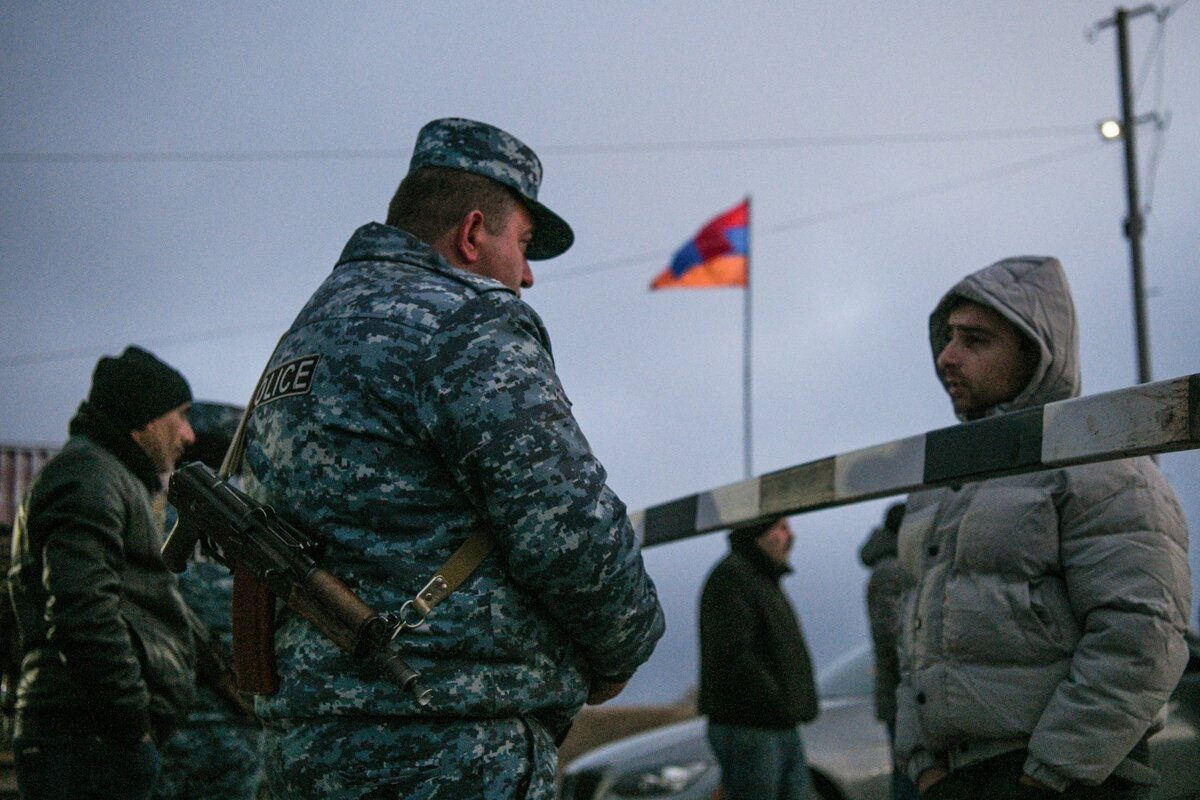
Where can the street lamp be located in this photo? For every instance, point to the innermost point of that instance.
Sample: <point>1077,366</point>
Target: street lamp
<point>1111,129</point>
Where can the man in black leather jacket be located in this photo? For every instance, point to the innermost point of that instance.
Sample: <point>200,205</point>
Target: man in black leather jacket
<point>108,667</point>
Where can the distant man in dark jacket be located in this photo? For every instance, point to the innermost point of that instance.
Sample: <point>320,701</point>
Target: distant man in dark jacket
<point>756,678</point>
<point>108,665</point>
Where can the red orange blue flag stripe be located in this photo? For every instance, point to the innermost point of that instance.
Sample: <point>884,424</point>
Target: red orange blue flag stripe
<point>716,256</point>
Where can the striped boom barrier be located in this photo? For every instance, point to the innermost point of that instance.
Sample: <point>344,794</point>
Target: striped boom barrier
<point>1149,418</point>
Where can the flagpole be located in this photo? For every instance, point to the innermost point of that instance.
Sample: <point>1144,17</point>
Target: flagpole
<point>747,429</point>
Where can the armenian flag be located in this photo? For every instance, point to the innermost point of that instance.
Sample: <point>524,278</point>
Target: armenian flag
<point>717,256</point>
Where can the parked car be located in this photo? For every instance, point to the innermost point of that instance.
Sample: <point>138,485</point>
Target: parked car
<point>847,748</point>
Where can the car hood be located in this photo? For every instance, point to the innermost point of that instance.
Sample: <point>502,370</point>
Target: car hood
<point>686,741</point>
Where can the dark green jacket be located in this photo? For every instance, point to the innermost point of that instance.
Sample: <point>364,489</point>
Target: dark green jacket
<point>754,666</point>
<point>106,644</point>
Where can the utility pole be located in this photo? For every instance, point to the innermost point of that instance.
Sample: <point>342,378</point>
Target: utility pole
<point>1134,222</point>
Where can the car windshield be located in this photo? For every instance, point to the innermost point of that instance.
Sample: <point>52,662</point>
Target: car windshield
<point>851,674</point>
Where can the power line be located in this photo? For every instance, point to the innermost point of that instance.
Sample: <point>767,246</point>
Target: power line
<point>92,351</point>
<point>1171,9</point>
<point>1154,49</point>
<point>942,187</point>
<point>597,267</point>
<point>798,142</point>
<point>809,220</point>
<point>608,265</point>
<point>1164,120</point>
<point>202,156</point>
<point>618,148</point>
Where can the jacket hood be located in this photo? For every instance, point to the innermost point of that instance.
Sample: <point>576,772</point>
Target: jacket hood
<point>880,544</point>
<point>882,541</point>
<point>1032,293</point>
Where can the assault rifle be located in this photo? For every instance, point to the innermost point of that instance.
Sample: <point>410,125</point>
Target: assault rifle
<point>271,558</point>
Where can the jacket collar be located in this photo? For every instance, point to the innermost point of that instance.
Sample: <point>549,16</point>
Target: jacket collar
<point>378,242</point>
<point>93,423</point>
<point>759,560</point>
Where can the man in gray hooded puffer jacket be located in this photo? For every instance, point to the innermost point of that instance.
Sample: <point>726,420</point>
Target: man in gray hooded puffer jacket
<point>1045,631</point>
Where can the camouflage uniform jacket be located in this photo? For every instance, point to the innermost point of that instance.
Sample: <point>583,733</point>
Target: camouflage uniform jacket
<point>422,403</point>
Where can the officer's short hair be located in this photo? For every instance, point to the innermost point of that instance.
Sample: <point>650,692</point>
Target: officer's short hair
<point>432,200</point>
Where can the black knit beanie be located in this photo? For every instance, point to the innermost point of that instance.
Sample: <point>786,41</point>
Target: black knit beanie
<point>748,534</point>
<point>135,388</point>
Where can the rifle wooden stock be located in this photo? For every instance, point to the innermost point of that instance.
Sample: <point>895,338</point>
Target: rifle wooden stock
<point>270,558</point>
<point>325,602</point>
<point>337,612</point>
<point>253,635</point>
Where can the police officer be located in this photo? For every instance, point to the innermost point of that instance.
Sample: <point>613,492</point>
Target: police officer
<point>413,401</point>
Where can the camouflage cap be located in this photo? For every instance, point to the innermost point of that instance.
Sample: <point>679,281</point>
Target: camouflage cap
<point>486,150</point>
<point>215,425</point>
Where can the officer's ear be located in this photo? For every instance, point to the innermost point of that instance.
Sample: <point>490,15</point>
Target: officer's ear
<point>467,237</point>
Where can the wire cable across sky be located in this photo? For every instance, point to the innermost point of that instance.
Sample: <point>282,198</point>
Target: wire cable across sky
<point>654,257</point>
<point>616,148</point>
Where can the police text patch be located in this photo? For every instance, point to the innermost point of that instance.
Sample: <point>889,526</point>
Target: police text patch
<point>287,380</point>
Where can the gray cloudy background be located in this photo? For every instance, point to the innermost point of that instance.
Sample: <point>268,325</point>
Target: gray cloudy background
<point>183,176</point>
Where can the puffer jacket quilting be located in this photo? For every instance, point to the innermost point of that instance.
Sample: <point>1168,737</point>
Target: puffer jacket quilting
<point>1050,607</point>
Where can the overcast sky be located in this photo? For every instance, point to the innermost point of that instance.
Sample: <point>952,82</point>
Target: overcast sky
<point>183,176</point>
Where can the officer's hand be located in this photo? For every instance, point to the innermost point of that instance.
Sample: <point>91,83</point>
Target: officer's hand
<point>1034,783</point>
<point>930,776</point>
<point>602,691</point>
